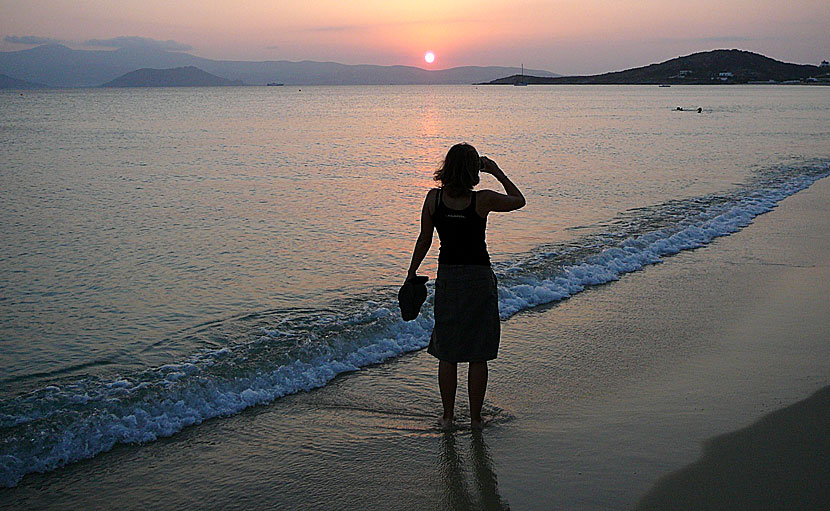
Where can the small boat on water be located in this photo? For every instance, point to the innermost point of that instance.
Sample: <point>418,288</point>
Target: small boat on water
<point>664,85</point>
<point>521,82</point>
<point>275,84</point>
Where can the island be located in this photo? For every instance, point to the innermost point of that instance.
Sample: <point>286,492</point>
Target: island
<point>188,76</point>
<point>8,82</point>
<point>709,67</point>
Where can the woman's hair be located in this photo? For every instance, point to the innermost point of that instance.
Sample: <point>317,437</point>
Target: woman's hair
<point>459,172</point>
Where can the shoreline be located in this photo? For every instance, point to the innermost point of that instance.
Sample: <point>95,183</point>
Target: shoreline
<point>697,347</point>
<point>591,401</point>
<point>778,462</point>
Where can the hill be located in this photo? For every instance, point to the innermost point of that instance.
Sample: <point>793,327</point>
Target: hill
<point>717,66</point>
<point>7,82</point>
<point>59,66</point>
<point>175,77</point>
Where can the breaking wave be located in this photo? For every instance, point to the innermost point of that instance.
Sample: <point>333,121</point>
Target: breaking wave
<point>296,350</point>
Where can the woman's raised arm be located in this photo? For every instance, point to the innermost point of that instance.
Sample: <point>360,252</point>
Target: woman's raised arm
<point>495,201</point>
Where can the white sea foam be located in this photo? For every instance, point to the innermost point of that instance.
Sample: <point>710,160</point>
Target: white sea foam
<point>59,425</point>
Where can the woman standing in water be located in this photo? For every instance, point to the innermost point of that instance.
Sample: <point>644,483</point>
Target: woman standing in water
<point>467,325</point>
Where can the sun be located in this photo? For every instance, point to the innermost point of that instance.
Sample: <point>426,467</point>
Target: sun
<point>429,57</point>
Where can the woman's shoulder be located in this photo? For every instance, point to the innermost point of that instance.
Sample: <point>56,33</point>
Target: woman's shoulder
<point>485,196</point>
<point>481,200</point>
<point>431,198</point>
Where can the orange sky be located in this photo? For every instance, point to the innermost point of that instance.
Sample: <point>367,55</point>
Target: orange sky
<point>564,36</point>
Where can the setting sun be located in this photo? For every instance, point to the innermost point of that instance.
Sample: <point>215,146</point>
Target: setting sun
<point>429,57</point>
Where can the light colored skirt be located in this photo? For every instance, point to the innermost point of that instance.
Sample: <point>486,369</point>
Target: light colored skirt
<point>467,326</point>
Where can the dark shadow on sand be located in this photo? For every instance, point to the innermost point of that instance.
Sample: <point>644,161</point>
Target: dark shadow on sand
<point>456,494</point>
<point>781,462</point>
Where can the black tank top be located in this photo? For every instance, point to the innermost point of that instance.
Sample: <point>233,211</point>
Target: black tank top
<point>461,232</point>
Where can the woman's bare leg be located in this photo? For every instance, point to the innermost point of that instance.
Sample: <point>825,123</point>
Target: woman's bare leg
<point>447,382</point>
<point>477,386</point>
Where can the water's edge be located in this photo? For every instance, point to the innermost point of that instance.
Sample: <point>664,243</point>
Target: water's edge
<point>300,350</point>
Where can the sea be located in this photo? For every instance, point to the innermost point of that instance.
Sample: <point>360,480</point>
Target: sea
<point>169,256</point>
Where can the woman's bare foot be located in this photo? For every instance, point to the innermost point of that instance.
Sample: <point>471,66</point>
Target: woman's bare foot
<point>446,423</point>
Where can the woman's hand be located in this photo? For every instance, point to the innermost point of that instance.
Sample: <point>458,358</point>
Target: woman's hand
<point>490,167</point>
<point>494,201</point>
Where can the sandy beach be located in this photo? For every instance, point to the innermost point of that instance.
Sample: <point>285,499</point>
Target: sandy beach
<point>699,383</point>
<point>713,341</point>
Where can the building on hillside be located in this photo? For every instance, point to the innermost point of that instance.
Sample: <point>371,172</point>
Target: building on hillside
<point>682,74</point>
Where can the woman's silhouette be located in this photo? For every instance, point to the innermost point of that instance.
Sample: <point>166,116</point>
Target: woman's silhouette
<point>467,325</point>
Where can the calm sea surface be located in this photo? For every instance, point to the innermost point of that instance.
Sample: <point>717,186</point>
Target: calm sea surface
<point>170,255</point>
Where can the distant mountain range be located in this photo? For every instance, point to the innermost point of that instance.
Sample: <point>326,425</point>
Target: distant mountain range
<point>176,77</point>
<point>717,66</point>
<point>7,82</point>
<point>59,66</point>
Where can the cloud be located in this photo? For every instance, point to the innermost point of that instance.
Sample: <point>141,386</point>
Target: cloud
<point>390,24</point>
<point>30,39</point>
<point>345,28</point>
<point>138,42</point>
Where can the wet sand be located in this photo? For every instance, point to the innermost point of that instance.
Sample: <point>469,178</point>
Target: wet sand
<point>779,462</point>
<point>603,401</point>
<point>642,373</point>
